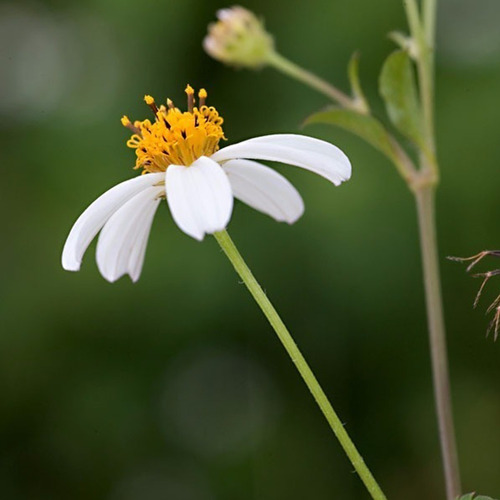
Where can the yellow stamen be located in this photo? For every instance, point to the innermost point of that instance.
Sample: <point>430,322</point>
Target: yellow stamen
<point>190,95</point>
<point>175,137</point>
<point>151,103</point>
<point>128,124</point>
<point>202,95</point>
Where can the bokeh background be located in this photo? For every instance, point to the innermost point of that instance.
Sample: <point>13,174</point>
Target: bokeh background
<point>176,387</point>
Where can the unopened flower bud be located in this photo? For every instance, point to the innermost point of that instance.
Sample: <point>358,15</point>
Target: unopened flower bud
<point>239,38</point>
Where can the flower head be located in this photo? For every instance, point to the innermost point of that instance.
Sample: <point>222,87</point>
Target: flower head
<point>182,163</point>
<point>238,38</point>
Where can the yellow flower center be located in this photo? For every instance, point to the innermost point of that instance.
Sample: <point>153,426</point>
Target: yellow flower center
<point>175,137</point>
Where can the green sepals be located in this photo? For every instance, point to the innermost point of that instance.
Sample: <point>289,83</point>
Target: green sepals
<point>365,126</point>
<point>471,496</point>
<point>353,74</point>
<point>398,89</point>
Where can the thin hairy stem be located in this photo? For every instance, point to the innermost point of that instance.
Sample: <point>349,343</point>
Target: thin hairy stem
<point>306,373</point>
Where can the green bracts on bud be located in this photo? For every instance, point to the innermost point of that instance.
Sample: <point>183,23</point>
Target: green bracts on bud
<point>239,38</point>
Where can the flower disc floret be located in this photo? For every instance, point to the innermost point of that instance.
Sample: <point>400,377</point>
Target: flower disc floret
<point>175,137</point>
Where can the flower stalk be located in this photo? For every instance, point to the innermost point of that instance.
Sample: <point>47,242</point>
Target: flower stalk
<point>300,363</point>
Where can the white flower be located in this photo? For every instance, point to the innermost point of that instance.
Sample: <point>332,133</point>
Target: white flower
<point>199,191</point>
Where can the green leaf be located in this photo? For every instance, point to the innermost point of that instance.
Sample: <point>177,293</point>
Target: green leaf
<point>397,88</point>
<point>365,126</point>
<point>353,73</point>
<point>470,496</point>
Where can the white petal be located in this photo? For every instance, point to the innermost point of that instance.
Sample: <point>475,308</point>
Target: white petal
<point>136,259</point>
<point>123,239</point>
<point>264,189</point>
<point>199,197</point>
<point>96,215</point>
<point>309,153</point>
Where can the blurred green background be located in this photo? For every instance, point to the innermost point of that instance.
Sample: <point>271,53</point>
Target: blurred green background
<point>176,387</point>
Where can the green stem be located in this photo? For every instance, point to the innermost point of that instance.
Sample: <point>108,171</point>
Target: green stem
<point>427,70</point>
<point>437,338</point>
<point>293,351</point>
<point>412,15</point>
<point>429,16</point>
<point>423,34</point>
<point>295,71</point>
